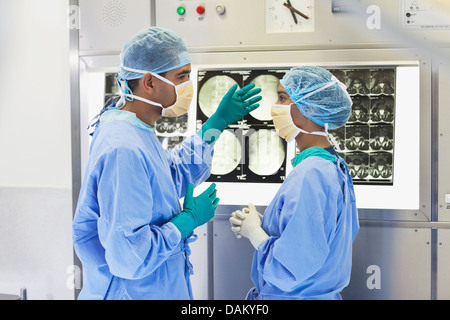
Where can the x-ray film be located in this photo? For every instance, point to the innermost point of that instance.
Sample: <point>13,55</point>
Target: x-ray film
<point>266,152</point>
<point>112,89</point>
<point>269,86</point>
<point>212,91</point>
<point>367,140</point>
<point>227,154</point>
<point>256,153</point>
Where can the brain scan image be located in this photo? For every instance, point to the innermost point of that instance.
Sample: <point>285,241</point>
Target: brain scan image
<point>212,92</point>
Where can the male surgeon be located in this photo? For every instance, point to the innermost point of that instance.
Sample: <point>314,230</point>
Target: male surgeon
<point>130,231</point>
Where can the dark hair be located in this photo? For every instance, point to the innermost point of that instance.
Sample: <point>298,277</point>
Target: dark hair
<point>133,84</point>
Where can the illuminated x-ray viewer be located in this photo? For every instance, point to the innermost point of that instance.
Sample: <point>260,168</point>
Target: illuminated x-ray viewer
<point>367,140</point>
<point>250,150</point>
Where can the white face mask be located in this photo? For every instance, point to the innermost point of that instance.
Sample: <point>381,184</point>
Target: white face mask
<point>286,128</point>
<point>184,93</point>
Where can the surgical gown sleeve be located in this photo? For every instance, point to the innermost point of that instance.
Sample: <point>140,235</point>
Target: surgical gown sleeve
<point>133,247</point>
<point>190,162</point>
<point>299,243</point>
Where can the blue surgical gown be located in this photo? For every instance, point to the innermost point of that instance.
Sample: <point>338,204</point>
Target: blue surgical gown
<point>312,223</point>
<point>130,191</point>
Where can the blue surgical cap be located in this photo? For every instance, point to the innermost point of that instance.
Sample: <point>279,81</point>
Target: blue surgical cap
<point>154,50</point>
<point>319,95</point>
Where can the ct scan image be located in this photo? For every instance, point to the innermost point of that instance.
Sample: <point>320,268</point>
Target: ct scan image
<point>367,140</point>
<point>250,150</point>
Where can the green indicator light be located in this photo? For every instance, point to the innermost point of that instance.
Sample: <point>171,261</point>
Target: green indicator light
<point>181,10</point>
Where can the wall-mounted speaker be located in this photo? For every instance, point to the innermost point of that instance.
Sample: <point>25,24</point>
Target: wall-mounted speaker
<point>114,13</point>
<point>105,25</point>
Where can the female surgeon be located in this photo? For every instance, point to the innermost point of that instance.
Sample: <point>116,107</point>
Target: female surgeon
<point>129,230</point>
<point>304,242</point>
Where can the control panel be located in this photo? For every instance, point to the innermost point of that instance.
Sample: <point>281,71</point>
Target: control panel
<point>233,25</point>
<point>426,15</point>
<point>236,25</point>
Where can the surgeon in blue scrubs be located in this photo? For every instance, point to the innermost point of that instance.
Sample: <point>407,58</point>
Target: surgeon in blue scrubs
<point>129,230</point>
<point>303,243</point>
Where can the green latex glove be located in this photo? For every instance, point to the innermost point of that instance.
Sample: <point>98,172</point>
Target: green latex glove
<point>234,106</point>
<point>196,210</point>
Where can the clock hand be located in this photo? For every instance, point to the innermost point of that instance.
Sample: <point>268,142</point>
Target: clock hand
<point>295,10</point>
<point>292,12</point>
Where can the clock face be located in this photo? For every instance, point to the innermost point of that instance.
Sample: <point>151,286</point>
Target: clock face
<point>284,16</point>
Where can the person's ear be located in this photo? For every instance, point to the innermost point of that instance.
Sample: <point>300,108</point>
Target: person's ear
<point>147,83</point>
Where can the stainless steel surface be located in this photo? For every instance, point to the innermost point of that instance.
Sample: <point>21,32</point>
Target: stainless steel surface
<point>75,95</point>
<point>443,264</point>
<point>434,170</point>
<point>390,263</point>
<point>443,138</point>
<point>232,262</point>
<point>10,297</point>
<point>243,27</point>
<point>232,257</point>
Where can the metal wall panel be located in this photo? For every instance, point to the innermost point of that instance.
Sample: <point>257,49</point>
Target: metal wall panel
<point>444,140</point>
<point>232,262</point>
<point>105,25</point>
<point>244,25</point>
<point>390,263</point>
<point>443,265</point>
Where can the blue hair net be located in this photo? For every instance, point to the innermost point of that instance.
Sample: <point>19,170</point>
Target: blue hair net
<point>319,95</point>
<point>154,50</point>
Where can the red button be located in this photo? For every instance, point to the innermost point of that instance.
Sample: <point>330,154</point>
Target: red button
<point>200,9</point>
